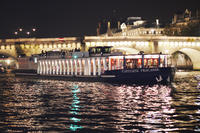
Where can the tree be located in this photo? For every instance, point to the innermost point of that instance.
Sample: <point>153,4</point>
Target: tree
<point>191,29</point>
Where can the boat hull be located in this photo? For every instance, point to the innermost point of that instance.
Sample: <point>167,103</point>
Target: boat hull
<point>142,75</point>
<point>131,76</point>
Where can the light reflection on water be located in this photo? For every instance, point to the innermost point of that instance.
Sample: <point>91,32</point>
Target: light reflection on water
<point>35,105</point>
<point>75,108</point>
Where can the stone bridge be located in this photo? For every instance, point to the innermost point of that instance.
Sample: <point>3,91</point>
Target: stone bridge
<point>29,46</point>
<point>189,46</point>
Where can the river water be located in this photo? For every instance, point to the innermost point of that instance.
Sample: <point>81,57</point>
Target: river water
<point>41,105</point>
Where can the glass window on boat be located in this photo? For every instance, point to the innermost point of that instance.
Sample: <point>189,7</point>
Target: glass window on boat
<point>98,50</point>
<point>102,65</point>
<point>133,63</point>
<point>92,50</point>
<point>121,63</point>
<point>78,67</point>
<point>107,50</point>
<point>70,66</point>
<point>148,63</point>
<point>83,64</point>
<point>155,62</point>
<point>113,64</point>
<point>116,62</point>
<point>163,61</point>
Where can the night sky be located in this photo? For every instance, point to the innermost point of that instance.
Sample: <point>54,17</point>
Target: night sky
<point>56,18</point>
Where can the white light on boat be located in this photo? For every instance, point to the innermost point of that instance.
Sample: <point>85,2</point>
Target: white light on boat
<point>162,56</point>
<point>115,57</point>
<point>151,56</point>
<point>133,56</point>
<point>40,67</point>
<point>35,59</point>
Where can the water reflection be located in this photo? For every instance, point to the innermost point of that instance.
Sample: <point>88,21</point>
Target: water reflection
<point>144,107</point>
<point>75,109</point>
<point>33,105</point>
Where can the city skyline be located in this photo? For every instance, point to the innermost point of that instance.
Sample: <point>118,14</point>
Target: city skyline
<point>79,18</point>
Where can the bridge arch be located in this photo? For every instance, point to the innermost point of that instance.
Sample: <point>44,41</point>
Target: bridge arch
<point>8,60</point>
<point>127,50</point>
<point>193,54</point>
<point>9,55</point>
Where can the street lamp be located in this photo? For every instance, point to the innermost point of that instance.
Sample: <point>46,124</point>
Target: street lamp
<point>33,29</point>
<point>28,33</point>
<point>20,32</point>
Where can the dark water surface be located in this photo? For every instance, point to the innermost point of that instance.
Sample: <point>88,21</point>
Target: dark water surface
<point>36,105</point>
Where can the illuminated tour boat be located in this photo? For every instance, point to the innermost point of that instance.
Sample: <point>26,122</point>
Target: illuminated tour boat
<point>100,64</point>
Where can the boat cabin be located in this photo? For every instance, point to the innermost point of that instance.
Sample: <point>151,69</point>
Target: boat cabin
<point>102,51</point>
<point>138,61</point>
<point>98,65</point>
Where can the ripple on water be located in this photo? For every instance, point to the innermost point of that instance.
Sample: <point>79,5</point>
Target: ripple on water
<point>60,106</point>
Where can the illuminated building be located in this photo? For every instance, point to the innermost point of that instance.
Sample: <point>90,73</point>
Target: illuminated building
<point>182,22</point>
<point>135,26</point>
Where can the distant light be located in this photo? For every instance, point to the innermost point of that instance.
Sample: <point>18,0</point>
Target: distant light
<point>166,51</point>
<point>28,33</point>
<point>8,62</point>
<point>34,29</point>
<point>75,127</point>
<point>20,29</point>
<point>75,56</point>
<point>16,33</point>
<point>157,22</point>
<point>35,60</point>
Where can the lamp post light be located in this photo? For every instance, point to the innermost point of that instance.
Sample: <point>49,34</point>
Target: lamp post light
<point>28,33</point>
<point>34,29</point>
<point>20,32</point>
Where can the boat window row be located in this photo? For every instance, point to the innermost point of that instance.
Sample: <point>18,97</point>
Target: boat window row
<point>98,65</point>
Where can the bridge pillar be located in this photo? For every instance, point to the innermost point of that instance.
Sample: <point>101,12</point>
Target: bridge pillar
<point>155,47</point>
